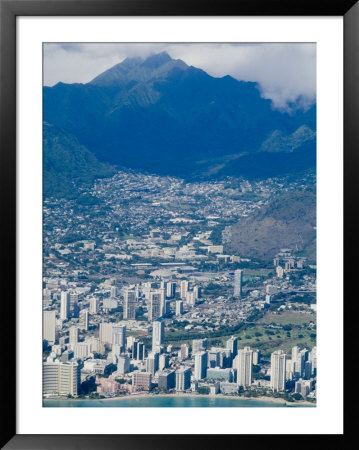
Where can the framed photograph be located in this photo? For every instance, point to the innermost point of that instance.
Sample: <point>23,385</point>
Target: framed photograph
<point>173,187</point>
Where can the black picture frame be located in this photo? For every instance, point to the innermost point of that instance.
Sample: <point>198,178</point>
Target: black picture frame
<point>9,10</point>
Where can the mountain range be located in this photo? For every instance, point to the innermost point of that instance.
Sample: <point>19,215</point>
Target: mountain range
<point>163,116</point>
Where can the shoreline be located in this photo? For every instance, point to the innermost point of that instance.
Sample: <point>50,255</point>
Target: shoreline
<point>180,395</point>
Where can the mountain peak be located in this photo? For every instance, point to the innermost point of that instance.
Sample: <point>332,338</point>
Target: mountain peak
<point>130,62</point>
<point>137,69</point>
<point>157,60</point>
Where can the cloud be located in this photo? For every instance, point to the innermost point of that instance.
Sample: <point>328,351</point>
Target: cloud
<point>286,72</point>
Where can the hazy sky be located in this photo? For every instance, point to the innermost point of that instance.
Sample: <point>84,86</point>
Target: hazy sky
<point>285,72</point>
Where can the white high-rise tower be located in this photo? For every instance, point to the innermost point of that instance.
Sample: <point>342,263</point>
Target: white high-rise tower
<point>200,365</point>
<point>118,339</point>
<point>278,368</point>
<point>158,333</point>
<point>238,280</point>
<point>49,326</point>
<point>243,362</point>
<point>65,305</point>
<point>184,286</point>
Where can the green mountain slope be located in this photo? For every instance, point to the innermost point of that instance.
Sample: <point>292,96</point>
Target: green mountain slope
<point>67,164</point>
<point>288,221</point>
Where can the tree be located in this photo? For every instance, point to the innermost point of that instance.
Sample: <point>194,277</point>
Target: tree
<point>88,386</point>
<point>110,368</point>
<point>297,396</point>
<point>203,390</point>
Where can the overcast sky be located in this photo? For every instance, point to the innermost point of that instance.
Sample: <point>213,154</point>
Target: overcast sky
<point>285,72</point>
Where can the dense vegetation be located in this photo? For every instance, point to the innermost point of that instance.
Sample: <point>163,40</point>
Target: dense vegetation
<point>67,164</point>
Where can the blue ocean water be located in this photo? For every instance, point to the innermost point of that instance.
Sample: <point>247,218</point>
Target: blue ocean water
<point>168,402</point>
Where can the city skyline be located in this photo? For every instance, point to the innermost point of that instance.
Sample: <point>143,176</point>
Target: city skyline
<point>179,244</point>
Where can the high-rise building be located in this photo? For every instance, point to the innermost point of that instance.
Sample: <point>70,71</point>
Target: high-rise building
<point>130,341</point>
<point>308,370</point>
<point>279,271</point>
<point>65,305</point>
<point>84,319</point>
<point>141,351</point>
<point>256,357</point>
<point>312,357</point>
<point>49,326</point>
<point>179,307</point>
<point>133,348</point>
<point>199,345</point>
<point>94,305</point>
<point>183,352</point>
<point>171,289</point>
<point>96,345</point>
<point>154,311</point>
<point>158,334</point>
<point>75,310</point>
<point>295,351</point>
<point>301,357</point>
<point>123,364</point>
<point>303,387</point>
<point>238,280</point>
<point>183,379</point>
<point>232,345</point>
<point>197,292</point>
<point>118,339</point>
<point>184,286</point>
<point>166,379</point>
<point>66,356</point>
<point>142,381</point>
<point>61,378</point>
<point>190,298</point>
<point>105,333</point>
<point>162,292</point>
<point>129,307</point>
<point>213,358</point>
<point>278,370</point>
<point>152,363</point>
<point>290,369</point>
<point>243,362</point>
<point>138,351</point>
<point>74,335</point>
<point>163,361</point>
<point>81,350</point>
<point>74,298</point>
<point>200,365</point>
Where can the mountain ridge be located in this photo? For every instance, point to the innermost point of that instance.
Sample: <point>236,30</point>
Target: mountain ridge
<point>163,116</point>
